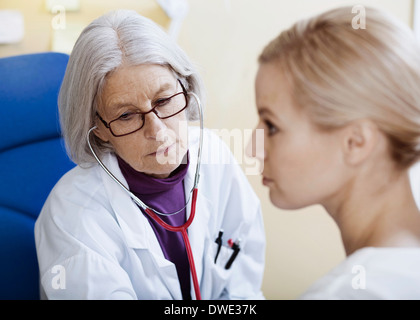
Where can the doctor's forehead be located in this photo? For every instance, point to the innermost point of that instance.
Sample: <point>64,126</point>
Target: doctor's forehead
<point>146,77</point>
<point>129,82</point>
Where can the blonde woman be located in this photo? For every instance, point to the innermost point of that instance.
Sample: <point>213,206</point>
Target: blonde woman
<point>340,108</point>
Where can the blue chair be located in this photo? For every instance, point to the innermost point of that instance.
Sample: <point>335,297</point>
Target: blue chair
<point>32,160</point>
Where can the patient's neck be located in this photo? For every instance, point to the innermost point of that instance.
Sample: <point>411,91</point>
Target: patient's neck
<point>377,210</point>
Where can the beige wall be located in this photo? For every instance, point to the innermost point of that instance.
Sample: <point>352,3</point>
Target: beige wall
<point>224,38</point>
<point>40,34</point>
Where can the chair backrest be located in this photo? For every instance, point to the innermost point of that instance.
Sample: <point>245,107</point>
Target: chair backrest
<point>32,160</point>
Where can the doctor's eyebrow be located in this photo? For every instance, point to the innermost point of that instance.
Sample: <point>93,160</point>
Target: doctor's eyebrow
<point>163,88</point>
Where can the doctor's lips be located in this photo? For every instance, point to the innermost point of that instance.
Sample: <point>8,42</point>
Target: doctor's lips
<point>162,151</point>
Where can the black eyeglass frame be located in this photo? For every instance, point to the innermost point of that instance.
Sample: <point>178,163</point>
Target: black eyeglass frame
<point>108,124</point>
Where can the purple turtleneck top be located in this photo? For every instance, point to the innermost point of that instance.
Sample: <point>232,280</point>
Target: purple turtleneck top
<point>166,196</point>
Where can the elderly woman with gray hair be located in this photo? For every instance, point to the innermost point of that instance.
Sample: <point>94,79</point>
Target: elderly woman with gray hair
<point>126,96</point>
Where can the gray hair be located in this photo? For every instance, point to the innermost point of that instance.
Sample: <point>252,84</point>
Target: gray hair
<point>116,38</point>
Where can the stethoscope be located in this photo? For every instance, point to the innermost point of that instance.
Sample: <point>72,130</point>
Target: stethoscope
<point>154,213</point>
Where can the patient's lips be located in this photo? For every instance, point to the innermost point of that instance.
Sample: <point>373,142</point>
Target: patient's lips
<point>266,181</point>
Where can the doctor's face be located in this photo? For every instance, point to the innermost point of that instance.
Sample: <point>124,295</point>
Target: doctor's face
<point>159,146</point>
<point>301,162</point>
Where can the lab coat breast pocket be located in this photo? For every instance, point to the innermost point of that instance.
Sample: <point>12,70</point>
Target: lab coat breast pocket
<point>216,276</point>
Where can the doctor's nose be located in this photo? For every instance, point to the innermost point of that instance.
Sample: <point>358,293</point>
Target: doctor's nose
<point>153,126</point>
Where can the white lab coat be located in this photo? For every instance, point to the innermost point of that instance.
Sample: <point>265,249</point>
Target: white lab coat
<point>94,243</point>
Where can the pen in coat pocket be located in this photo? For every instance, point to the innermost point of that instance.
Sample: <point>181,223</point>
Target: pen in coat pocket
<point>219,244</point>
<point>235,247</point>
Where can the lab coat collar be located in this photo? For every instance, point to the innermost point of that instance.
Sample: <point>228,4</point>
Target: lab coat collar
<point>199,228</point>
<point>136,228</point>
<point>137,231</point>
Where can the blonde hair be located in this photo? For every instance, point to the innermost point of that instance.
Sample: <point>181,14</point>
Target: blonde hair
<point>339,74</point>
<point>116,38</point>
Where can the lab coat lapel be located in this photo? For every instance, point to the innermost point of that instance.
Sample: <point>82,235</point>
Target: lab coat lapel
<point>197,231</point>
<point>136,228</point>
<point>134,225</point>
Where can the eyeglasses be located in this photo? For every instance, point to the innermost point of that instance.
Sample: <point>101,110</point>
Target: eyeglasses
<point>130,122</point>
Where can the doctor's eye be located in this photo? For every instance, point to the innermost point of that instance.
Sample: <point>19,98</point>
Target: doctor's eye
<point>127,116</point>
<point>162,102</point>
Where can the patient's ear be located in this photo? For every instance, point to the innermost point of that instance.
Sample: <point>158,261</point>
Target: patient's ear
<point>359,140</point>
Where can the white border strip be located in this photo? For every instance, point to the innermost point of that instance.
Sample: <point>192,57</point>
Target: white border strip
<point>416,18</point>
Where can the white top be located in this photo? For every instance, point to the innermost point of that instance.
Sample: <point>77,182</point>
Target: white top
<point>372,273</point>
<point>94,243</point>
<point>375,273</point>
<point>414,174</point>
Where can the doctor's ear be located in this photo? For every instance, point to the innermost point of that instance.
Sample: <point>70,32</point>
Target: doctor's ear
<point>100,132</point>
<point>359,141</point>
